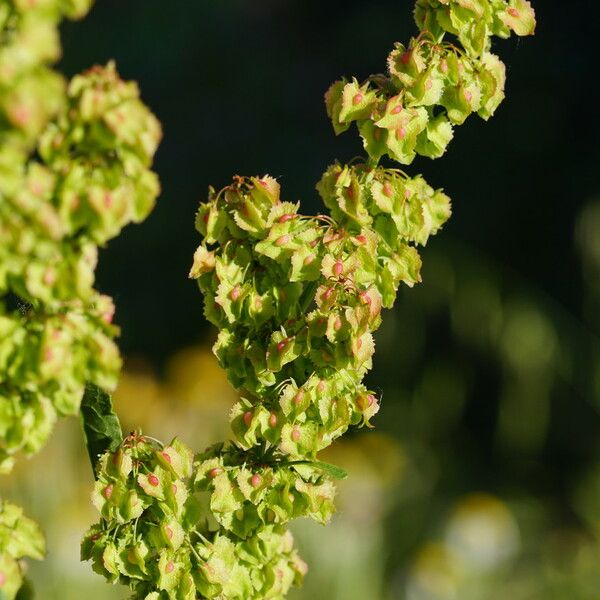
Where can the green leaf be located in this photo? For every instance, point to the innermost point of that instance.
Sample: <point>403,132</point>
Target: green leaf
<point>331,470</point>
<point>101,428</point>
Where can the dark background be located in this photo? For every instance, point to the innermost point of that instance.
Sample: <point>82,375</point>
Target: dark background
<point>238,87</point>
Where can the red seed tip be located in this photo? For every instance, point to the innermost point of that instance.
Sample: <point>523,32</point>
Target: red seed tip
<point>358,98</point>
<point>169,532</point>
<point>388,190</point>
<point>214,472</point>
<point>361,239</point>
<point>296,434</point>
<point>273,420</point>
<point>166,456</point>
<point>107,491</point>
<point>397,109</point>
<point>327,293</point>
<point>338,268</point>
<point>405,58</point>
<point>153,479</point>
<point>283,240</point>
<point>468,95</point>
<point>248,418</point>
<point>364,296</point>
<point>281,346</point>
<point>174,488</point>
<point>170,566</point>
<point>108,199</point>
<point>256,480</point>
<point>513,12</point>
<point>298,397</point>
<point>400,133</point>
<point>337,324</point>
<point>285,218</point>
<point>235,293</point>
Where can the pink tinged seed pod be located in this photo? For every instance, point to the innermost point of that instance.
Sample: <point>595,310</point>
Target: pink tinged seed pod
<point>235,293</point>
<point>273,420</point>
<point>49,277</point>
<point>169,533</point>
<point>107,491</point>
<point>321,386</point>
<point>327,294</point>
<point>298,397</point>
<point>282,345</point>
<point>428,84</point>
<point>174,489</point>
<point>248,418</point>
<point>337,325</point>
<point>285,218</point>
<point>2,578</point>
<point>283,240</point>
<point>513,12</point>
<point>170,566</point>
<point>215,472</point>
<point>358,98</point>
<point>400,133</point>
<point>108,199</point>
<point>296,434</point>
<point>48,355</point>
<point>20,116</point>
<point>361,239</point>
<point>388,190</point>
<point>309,260</point>
<point>338,268</point>
<point>166,456</point>
<point>153,480</point>
<point>405,58</point>
<point>365,298</point>
<point>397,110</point>
<point>444,66</point>
<point>255,480</point>
<point>468,96</point>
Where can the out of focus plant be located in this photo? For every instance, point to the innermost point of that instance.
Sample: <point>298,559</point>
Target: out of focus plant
<point>74,170</point>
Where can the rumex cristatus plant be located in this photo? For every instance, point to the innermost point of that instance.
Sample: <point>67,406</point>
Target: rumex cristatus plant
<point>74,170</point>
<point>296,300</point>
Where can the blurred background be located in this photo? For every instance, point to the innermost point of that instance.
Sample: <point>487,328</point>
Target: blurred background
<point>482,480</point>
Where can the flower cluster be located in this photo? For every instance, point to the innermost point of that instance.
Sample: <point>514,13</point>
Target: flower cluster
<point>432,84</point>
<point>91,179</point>
<point>20,537</point>
<point>157,537</point>
<point>296,300</point>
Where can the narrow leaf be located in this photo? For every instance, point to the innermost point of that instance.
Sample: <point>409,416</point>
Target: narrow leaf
<point>331,470</point>
<point>101,428</point>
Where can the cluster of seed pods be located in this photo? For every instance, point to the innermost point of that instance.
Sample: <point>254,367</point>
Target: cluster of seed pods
<point>296,300</point>
<point>91,179</point>
<point>432,83</point>
<point>74,169</point>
